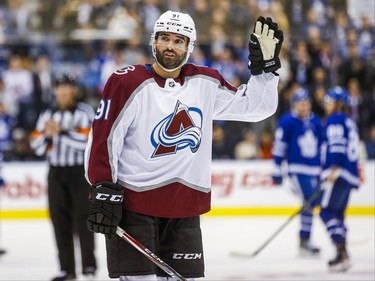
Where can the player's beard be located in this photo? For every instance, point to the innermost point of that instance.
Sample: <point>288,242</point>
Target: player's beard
<point>170,63</point>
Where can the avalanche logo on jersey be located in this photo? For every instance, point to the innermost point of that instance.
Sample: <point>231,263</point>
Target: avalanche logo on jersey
<point>179,130</point>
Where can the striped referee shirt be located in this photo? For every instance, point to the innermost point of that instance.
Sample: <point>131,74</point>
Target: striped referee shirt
<point>66,149</point>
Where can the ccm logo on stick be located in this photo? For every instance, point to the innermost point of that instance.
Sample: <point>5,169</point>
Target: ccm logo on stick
<point>195,256</point>
<point>104,196</point>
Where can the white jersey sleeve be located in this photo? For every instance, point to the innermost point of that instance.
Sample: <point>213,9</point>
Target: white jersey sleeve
<point>253,102</point>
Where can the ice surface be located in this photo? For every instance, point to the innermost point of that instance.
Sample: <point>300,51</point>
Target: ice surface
<point>31,252</point>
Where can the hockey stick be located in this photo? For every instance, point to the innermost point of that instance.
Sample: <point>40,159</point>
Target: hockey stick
<point>148,254</point>
<point>305,206</point>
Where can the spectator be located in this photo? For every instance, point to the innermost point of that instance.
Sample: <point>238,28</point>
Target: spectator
<point>246,149</point>
<point>90,78</point>
<point>4,23</point>
<point>225,64</point>
<point>149,13</point>
<point>319,77</point>
<point>43,77</point>
<point>317,95</point>
<point>200,11</point>
<point>198,57</point>
<point>241,18</point>
<point>122,25</point>
<point>220,144</point>
<point>318,83</point>
<point>84,14</point>
<point>285,71</point>
<point>366,40</point>
<point>113,63</point>
<point>21,12</point>
<point>134,52</point>
<point>8,100</point>
<point>296,11</point>
<point>356,104</point>
<point>340,27</point>
<point>300,63</point>
<point>370,143</point>
<point>45,17</point>
<point>66,15</point>
<point>368,110</point>
<point>218,40</point>
<point>265,145</point>
<point>352,67</point>
<point>6,131</point>
<point>314,43</point>
<point>323,58</point>
<point>18,83</point>
<point>21,146</point>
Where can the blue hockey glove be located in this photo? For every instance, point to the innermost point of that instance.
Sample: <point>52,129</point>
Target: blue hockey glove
<point>2,182</point>
<point>277,180</point>
<point>277,176</point>
<point>106,207</point>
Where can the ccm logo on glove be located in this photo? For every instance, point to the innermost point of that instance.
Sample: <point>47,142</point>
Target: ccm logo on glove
<point>113,198</point>
<point>268,64</point>
<point>106,208</point>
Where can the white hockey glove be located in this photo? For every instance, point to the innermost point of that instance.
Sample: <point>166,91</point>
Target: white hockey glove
<point>264,46</point>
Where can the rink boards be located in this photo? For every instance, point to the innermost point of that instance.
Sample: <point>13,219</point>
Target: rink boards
<point>239,188</point>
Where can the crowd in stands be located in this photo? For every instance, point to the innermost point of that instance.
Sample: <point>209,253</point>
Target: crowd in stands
<point>324,46</point>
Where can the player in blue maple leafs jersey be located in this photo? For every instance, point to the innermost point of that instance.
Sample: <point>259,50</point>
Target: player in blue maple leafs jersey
<point>341,146</point>
<point>298,139</point>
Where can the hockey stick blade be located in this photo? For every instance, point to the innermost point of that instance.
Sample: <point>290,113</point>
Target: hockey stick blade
<point>324,186</point>
<point>307,204</point>
<point>242,255</point>
<point>149,254</point>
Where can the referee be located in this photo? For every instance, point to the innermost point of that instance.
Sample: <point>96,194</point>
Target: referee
<point>61,134</point>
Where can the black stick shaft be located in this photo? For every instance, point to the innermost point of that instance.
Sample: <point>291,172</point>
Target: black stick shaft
<point>306,205</point>
<point>149,254</point>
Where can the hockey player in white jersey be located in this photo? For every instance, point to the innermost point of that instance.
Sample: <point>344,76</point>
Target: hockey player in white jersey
<point>340,168</point>
<point>149,147</point>
<point>298,140</point>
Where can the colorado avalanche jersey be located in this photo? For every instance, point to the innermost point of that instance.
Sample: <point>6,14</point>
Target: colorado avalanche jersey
<point>154,135</point>
<point>341,143</point>
<point>299,141</point>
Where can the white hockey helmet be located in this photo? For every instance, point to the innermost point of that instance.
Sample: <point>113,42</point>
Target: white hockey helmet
<point>175,22</point>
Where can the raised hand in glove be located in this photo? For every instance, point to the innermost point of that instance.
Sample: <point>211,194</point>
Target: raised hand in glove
<point>106,207</point>
<point>264,46</point>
